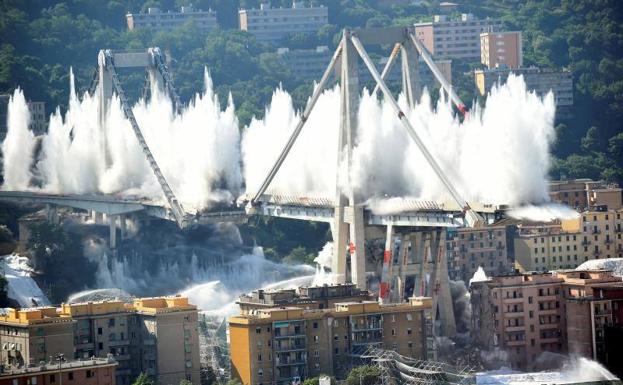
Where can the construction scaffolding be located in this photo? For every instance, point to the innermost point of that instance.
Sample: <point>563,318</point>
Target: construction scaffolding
<point>398,369</point>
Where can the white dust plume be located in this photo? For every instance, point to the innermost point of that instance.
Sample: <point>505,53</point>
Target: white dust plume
<point>499,154</point>
<point>543,213</point>
<point>197,149</point>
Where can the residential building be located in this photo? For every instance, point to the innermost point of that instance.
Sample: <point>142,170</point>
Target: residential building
<point>308,64</point>
<point>501,49</point>
<point>541,81</point>
<point>584,194</point>
<point>470,248</point>
<point>158,20</point>
<point>103,328</point>
<point>4,107</point>
<point>270,25</point>
<point>601,234</point>
<point>455,39</point>
<point>95,371</point>
<point>548,246</point>
<point>169,340</point>
<point>31,336</point>
<point>38,121</point>
<point>594,309</point>
<point>307,297</point>
<point>157,336</point>
<point>522,314</point>
<point>286,344</point>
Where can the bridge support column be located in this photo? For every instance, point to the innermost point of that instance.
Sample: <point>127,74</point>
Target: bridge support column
<point>51,214</point>
<point>442,298</point>
<point>348,225</point>
<point>123,227</point>
<point>112,222</point>
<point>410,79</point>
<point>97,217</point>
<point>386,273</point>
<point>105,95</point>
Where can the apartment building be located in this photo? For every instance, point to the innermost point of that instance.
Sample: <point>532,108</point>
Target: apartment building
<point>102,328</point>
<point>158,20</point>
<point>541,81</point>
<point>522,314</point>
<point>306,297</point>
<point>31,336</point>
<point>601,234</point>
<point>169,339</point>
<point>270,25</point>
<point>287,344</point>
<point>470,248</point>
<point>157,336</point>
<point>38,120</point>
<point>95,371</point>
<point>501,49</point>
<point>308,64</point>
<point>455,39</point>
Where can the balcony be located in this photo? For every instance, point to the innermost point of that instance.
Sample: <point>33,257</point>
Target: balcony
<point>552,311</point>
<point>515,343</point>
<point>617,229</point>
<point>595,231</point>
<point>552,325</point>
<point>289,347</point>
<point>293,335</point>
<point>519,328</point>
<point>510,314</point>
<point>586,243</point>
<point>597,253</point>
<point>291,362</point>
<point>547,298</point>
<point>550,340</point>
<point>608,241</point>
<point>513,300</point>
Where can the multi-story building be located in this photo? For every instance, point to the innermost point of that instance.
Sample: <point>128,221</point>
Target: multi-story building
<point>156,336</point>
<point>470,248</point>
<point>31,336</point>
<point>501,49</point>
<point>286,344</point>
<point>167,329</point>
<point>95,371</point>
<point>307,297</point>
<point>455,39</point>
<point>548,246</point>
<point>538,80</point>
<point>38,124</point>
<point>270,25</point>
<point>157,20</point>
<point>522,314</point>
<point>601,234</point>
<point>103,328</point>
<point>308,64</point>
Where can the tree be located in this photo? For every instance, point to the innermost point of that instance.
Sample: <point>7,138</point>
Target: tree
<point>233,381</point>
<point>185,382</point>
<point>207,375</point>
<point>143,379</point>
<point>364,375</point>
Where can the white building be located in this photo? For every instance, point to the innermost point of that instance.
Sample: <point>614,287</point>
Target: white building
<point>270,25</point>
<point>158,20</point>
<point>455,39</point>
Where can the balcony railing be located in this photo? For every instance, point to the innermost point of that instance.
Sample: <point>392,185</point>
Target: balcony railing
<point>586,243</point>
<point>596,231</point>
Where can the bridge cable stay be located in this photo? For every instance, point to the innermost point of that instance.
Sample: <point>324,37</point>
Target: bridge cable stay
<point>284,153</point>
<point>438,74</point>
<point>471,216</point>
<point>166,76</point>
<point>176,207</point>
<point>388,65</point>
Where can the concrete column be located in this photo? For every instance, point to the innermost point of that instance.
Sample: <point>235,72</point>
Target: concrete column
<point>388,259</point>
<point>97,217</point>
<point>339,230</point>
<point>357,248</point>
<point>410,80</point>
<point>442,298</point>
<point>123,227</point>
<point>105,88</point>
<point>51,214</point>
<point>112,222</point>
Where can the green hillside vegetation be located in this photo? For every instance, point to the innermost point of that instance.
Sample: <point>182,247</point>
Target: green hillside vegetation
<point>41,39</point>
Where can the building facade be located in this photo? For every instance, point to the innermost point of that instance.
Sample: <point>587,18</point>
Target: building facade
<point>158,20</point>
<point>541,81</point>
<point>455,39</point>
<point>89,372</point>
<point>288,344</point>
<point>156,336</point>
<point>501,49</point>
<point>522,314</point>
<point>308,64</point>
<point>470,248</point>
<point>270,25</point>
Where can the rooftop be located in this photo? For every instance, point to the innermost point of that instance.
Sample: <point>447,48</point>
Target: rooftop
<point>43,367</point>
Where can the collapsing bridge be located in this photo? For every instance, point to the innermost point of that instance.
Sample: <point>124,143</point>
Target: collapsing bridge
<point>415,265</point>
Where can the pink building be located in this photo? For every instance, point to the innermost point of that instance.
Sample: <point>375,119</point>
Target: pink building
<point>501,49</point>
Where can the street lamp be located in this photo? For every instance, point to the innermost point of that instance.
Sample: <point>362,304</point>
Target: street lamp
<point>60,357</point>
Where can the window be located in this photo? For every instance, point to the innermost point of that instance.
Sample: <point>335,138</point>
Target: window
<point>315,325</point>
<point>409,331</point>
<point>393,332</point>
<point>90,373</point>
<point>260,372</point>
<point>259,357</point>
<point>52,378</point>
<point>258,330</point>
<point>99,331</point>
<point>111,322</point>
<point>70,375</point>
